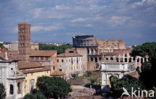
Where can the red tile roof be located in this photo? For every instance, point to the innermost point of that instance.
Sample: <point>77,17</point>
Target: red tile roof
<point>43,53</point>
<point>69,55</point>
<point>28,65</point>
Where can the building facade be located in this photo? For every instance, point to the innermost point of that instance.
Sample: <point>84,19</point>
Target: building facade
<point>12,79</point>
<point>31,71</point>
<point>70,63</point>
<point>83,53</point>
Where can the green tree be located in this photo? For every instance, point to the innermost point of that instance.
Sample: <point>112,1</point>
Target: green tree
<point>2,92</point>
<point>1,46</point>
<point>60,49</point>
<point>39,95</point>
<point>53,87</point>
<point>35,95</point>
<point>148,69</point>
<point>127,82</point>
<point>29,96</point>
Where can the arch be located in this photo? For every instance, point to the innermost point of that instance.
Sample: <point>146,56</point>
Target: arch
<point>96,59</point>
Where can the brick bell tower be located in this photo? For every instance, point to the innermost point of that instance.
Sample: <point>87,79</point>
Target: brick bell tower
<point>24,37</point>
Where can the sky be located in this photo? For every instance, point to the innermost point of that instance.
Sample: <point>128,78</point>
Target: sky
<point>133,21</point>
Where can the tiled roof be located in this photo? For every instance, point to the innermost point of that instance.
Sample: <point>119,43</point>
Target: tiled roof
<point>35,70</point>
<point>28,65</point>
<point>57,73</point>
<point>43,53</point>
<point>69,55</point>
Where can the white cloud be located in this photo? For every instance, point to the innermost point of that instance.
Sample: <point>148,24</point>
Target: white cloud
<point>62,7</point>
<point>143,2</point>
<point>37,12</point>
<point>78,20</point>
<point>46,28</point>
<point>118,20</point>
<point>88,25</point>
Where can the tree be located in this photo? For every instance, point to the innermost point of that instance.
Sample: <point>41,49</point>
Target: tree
<point>35,95</point>
<point>60,49</point>
<point>53,87</point>
<point>1,46</point>
<point>39,95</point>
<point>148,69</point>
<point>127,82</point>
<point>2,92</point>
<point>29,96</point>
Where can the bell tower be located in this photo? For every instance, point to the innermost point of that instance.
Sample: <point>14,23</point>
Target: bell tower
<point>24,38</point>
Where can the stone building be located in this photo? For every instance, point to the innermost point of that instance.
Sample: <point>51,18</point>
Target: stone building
<point>12,78</point>
<point>13,46</point>
<point>84,41</point>
<point>70,63</point>
<point>31,71</point>
<point>83,53</point>
<point>103,50</point>
<point>45,58</point>
<point>114,69</point>
<point>105,46</point>
<point>90,43</point>
<point>24,37</point>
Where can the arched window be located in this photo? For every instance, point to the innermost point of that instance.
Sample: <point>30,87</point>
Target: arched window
<point>125,59</point>
<point>96,59</point>
<point>19,88</point>
<point>117,59</point>
<point>11,89</point>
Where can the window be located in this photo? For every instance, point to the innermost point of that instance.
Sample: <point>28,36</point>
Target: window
<point>100,58</point>
<point>53,67</point>
<point>72,61</point>
<point>77,60</point>
<point>41,58</point>
<point>31,85</point>
<point>117,59</point>
<point>19,88</point>
<point>130,60</point>
<point>62,60</point>
<point>96,59</point>
<point>125,59</point>
<point>71,51</point>
<point>11,89</point>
